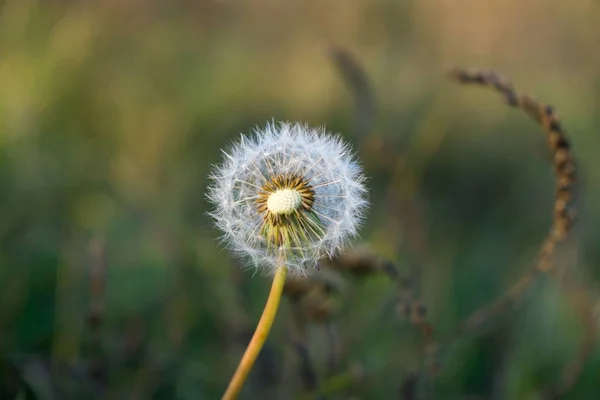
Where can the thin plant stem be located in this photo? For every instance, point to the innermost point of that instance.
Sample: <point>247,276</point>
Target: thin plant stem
<point>259,337</point>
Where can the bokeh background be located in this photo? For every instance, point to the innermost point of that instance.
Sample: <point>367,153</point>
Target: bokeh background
<point>113,285</point>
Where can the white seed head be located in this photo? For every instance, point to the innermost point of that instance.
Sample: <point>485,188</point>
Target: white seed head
<point>288,194</point>
<point>284,201</point>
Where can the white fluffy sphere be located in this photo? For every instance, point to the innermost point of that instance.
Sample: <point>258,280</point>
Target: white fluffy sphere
<point>288,194</point>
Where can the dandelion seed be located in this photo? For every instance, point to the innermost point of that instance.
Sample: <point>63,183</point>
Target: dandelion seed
<point>288,192</point>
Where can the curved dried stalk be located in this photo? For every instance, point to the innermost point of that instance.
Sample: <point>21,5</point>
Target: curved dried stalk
<point>563,214</point>
<point>564,169</point>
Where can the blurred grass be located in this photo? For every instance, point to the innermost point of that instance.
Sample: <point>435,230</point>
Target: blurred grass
<point>111,114</point>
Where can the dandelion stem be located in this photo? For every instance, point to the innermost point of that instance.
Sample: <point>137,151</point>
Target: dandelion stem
<point>259,337</point>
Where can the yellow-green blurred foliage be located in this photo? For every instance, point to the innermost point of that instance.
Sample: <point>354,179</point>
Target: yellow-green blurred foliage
<point>112,113</point>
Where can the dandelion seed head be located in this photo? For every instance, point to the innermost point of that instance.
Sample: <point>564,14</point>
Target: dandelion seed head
<point>288,194</point>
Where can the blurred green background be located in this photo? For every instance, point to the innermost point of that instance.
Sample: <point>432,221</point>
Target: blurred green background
<point>113,112</point>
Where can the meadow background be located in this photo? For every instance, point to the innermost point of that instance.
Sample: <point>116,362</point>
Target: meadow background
<point>112,112</point>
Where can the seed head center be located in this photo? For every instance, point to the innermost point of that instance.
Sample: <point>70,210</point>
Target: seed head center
<point>284,201</point>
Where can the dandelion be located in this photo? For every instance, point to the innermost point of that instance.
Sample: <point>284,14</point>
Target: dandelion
<point>284,199</point>
<point>290,193</point>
